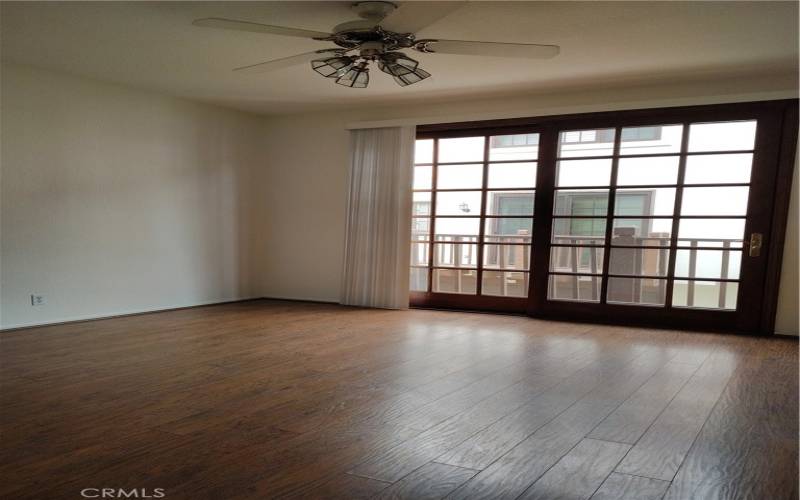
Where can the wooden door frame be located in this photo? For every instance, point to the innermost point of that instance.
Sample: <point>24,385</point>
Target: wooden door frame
<point>783,117</point>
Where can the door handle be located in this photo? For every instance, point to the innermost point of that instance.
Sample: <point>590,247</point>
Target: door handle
<point>754,245</point>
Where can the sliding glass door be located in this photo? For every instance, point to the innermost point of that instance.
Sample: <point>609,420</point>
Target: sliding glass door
<point>650,216</point>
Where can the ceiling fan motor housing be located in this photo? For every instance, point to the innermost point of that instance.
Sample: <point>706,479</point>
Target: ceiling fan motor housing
<point>361,33</point>
<point>366,38</point>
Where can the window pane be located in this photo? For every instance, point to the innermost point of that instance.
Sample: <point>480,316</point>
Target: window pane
<point>421,204</point>
<point>419,254</point>
<point>458,203</point>
<point>459,176</point>
<point>464,149</point>
<point>455,255</point>
<point>640,291</point>
<point>506,230</point>
<point>715,200</point>
<point>639,261</point>
<point>418,280</point>
<point>422,177</point>
<point>571,173</point>
<point>650,139</point>
<point>587,260</point>
<point>507,257</point>
<point>455,281</point>
<point>641,232</point>
<point>506,284</point>
<point>718,169</point>
<point>514,147</point>
<point>711,232</point>
<point>579,288</point>
<point>509,203</point>
<point>647,171</point>
<point>579,231</point>
<point>647,201</point>
<point>708,264</point>
<point>423,151</point>
<point>420,228</point>
<point>512,175</point>
<point>595,142</point>
<point>705,294</point>
<point>722,136</point>
<point>581,202</point>
<point>457,229</point>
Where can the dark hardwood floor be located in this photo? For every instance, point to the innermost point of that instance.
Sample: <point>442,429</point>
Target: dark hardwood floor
<point>272,399</point>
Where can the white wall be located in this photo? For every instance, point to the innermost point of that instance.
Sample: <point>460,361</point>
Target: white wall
<point>304,204</point>
<point>117,200</point>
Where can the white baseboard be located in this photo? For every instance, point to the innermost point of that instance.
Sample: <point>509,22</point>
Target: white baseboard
<point>117,314</point>
<point>300,299</point>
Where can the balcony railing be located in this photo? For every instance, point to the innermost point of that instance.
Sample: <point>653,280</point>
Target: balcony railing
<point>581,258</point>
<point>500,252</point>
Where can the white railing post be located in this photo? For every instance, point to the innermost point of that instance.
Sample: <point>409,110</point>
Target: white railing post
<point>574,268</point>
<point>723,273</point>
<point>692,272</point>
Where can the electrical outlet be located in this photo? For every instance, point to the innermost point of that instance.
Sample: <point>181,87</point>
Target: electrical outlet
<point>38,300</point>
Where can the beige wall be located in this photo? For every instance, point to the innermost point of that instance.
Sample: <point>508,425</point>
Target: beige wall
<point>787,320</point>
<point>116,201</point>
<point>303,207</point>
<point>301,237</point>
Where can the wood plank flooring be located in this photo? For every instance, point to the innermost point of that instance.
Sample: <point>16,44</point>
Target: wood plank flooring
<point>276,399</point>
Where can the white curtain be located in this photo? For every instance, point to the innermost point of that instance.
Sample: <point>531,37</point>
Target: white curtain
<point>378,234</point>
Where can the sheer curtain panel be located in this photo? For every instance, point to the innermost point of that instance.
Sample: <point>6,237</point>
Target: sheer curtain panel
<point>378,233</point>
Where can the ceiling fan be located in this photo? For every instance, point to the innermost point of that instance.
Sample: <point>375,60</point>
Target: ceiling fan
<point>375,38</point>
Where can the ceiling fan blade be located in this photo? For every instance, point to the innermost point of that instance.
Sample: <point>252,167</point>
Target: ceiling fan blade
<point>411,17</point>
<point>284,62</point>
<point>232,24</point>
<point>490,49</point>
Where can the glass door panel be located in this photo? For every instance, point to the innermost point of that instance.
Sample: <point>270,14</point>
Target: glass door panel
<point>648,265</point>
<point>475,198</point>
<point>653,222</point>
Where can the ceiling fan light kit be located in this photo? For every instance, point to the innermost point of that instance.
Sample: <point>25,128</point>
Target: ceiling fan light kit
<point>383,28</point>
<point>356,77</point>
<point>332,67</point>
<point>415,76</point>
<point>397,64</point>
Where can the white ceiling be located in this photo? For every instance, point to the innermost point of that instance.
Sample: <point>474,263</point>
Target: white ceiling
<point>153,45</point>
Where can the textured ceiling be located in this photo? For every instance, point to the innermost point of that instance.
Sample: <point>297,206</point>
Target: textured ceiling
<point>153,45</point>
